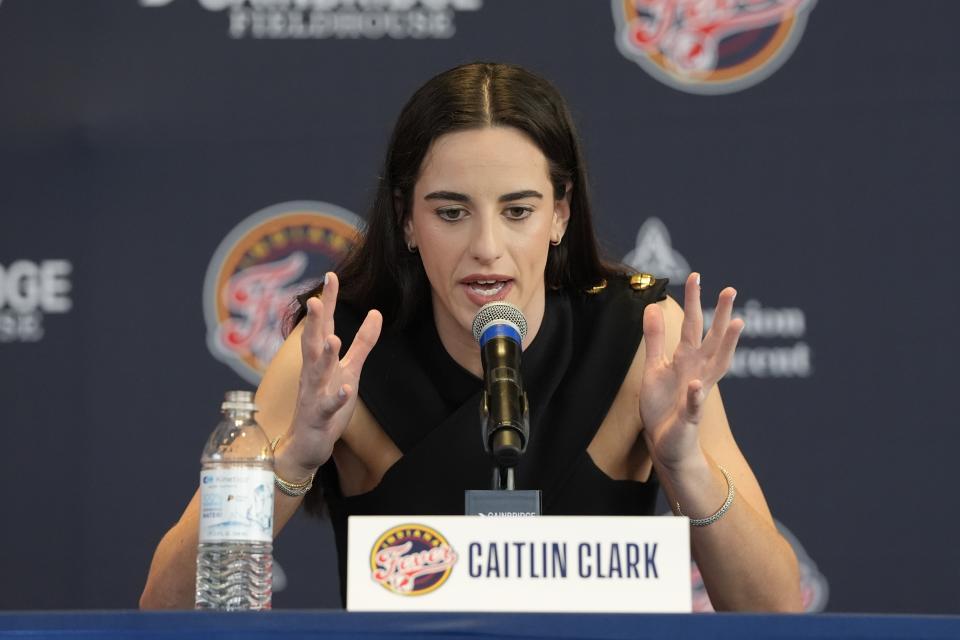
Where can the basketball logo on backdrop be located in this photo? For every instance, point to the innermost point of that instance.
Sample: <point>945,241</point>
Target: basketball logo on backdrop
<point>258,269</point>
<point>411,560</point>
<point>710,46</point>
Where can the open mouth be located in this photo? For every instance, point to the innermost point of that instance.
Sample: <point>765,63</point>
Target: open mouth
<point>487,288</point>
<point>484,288</point>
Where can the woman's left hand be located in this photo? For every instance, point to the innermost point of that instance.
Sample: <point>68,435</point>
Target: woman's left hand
<point>673,390</point>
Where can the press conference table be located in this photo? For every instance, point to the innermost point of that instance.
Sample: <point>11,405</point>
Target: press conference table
<point>339,624</point>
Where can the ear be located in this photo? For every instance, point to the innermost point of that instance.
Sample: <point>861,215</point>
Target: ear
<point>408,238</point>
<point>561,214</point>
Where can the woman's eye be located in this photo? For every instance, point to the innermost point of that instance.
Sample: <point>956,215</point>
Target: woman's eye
<point>451,214</point>
<point>518,213</point>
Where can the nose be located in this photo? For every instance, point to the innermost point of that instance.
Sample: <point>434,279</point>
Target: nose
<point>486,243</point>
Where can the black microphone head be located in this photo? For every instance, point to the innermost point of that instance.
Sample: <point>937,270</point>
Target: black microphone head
<point>498,313</point>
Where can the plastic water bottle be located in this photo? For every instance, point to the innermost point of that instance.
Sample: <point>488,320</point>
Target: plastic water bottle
<point>235,555</point>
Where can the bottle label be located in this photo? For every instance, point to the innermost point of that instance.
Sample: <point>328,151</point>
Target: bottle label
<point>236,505</point>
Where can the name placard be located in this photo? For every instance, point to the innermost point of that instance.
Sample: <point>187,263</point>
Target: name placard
<point>550,563</point>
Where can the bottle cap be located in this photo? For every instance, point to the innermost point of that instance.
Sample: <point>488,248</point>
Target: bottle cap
<point>238,401</point>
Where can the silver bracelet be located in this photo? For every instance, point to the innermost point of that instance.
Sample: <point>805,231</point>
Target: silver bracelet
<point>702,522</point>
<point>292,489</point>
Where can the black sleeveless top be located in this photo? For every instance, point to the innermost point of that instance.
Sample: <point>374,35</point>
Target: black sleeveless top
<point>429,406</point>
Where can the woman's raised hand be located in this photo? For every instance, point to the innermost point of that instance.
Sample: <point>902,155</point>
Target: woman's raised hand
<point>327,393</point>
<point>674,390</point>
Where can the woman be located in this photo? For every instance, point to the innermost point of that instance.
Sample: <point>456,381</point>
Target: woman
<point>483,198</point>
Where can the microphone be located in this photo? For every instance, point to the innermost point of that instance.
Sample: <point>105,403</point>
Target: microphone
<point>499,327</point>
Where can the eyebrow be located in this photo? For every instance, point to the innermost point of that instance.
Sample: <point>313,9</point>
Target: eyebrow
<point>461,197</point>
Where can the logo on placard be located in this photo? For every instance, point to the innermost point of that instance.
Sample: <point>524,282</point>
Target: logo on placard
<point>772,344</point>
<point>258,269</point>
<point>338,19</point>
<point>710,46</point>
<point>411,560</point>
<point>29,290</point>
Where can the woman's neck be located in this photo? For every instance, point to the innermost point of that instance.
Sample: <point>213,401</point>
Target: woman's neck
<point>460,344</point>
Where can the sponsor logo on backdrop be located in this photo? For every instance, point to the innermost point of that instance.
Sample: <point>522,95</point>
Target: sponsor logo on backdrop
<point>411,560</point>
<point>655,251</point>
<point>772,344</point>
<point>28,291</point>
<point>342,19</point>
<point>258,269</point>
<point>814,588</point>
<point>710,46</point>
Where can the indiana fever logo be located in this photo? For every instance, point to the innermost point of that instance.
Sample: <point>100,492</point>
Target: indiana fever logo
<point>710,46</point>
<point>411,560</point>
<point>258,269</point>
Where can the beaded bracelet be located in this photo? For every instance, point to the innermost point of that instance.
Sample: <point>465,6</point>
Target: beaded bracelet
<point>702,522</point>
<point>292,489</point>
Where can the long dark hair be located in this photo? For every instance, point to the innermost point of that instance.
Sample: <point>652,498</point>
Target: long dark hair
<point>380,272</point>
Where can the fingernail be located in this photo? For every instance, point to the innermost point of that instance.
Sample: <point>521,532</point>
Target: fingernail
<point>326,278</point>
<point>341,393</point>
<point>698,279</point>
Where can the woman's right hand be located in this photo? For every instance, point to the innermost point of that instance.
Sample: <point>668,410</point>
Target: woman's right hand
<point>324,405</point>
<point>327,392</point>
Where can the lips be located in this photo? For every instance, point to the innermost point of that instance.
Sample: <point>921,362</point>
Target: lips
<point>483,288</point>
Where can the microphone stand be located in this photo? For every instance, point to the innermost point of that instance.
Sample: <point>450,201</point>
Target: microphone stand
<point>505,445</point>
<point>503,479</point>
